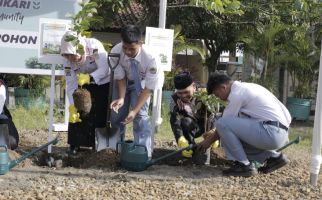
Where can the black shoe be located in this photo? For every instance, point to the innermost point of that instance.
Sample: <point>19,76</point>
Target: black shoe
<point>240,169</point>
<point>273,164</point>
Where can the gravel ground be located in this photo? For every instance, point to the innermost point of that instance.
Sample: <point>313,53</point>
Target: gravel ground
<point>99,176</point>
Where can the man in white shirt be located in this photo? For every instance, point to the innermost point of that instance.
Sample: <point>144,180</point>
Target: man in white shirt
<point>86,66</point>
<point>254,124</point>
<point>137,76</point>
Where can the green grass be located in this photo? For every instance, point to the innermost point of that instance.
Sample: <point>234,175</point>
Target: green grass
<point>164,132</point>
<point>35,117</point>
<point>304,130</point>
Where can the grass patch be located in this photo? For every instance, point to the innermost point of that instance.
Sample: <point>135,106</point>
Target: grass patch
<point>304,130</point>
<point>164,132</point>
<point>34,117</point>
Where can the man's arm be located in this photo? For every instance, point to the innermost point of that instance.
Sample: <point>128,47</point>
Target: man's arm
<point>175,123</point>
<point>121,88</point>
<point>118,103</point>
<point>143,97</point>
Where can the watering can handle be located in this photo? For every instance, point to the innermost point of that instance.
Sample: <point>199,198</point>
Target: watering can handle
<point>5,146</point>
<point>139,145</point>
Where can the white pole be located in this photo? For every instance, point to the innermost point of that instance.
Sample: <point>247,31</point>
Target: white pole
<point>157,94</point>
<point>51,107</point>
<point>317,130</point>
<point>162,13</point>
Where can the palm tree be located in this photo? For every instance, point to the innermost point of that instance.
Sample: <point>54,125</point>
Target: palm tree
<point>266,45</point>
<point>302,58</point>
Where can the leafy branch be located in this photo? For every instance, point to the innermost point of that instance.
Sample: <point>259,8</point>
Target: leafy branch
<point>211,102</point>
<point>81,23</point>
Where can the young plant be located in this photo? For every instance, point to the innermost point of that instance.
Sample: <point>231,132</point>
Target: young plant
<point>81,23</point>
<point>211,102</point>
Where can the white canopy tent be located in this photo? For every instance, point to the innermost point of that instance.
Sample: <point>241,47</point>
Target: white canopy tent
<point>317,130</point>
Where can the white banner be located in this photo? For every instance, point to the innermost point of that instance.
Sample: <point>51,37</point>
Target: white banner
<point>19,39</point>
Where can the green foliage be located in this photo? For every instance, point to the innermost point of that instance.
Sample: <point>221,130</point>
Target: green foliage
<point>35,83</point>
<point>266,45</point>
<point>83,19</point>
<point>214,29</point>
<point>168,78</point>
<point>220,6</point>
<point>106,11</point>
<point>107,46</point>
<point>270,83</point>
<point>34,64</point>
<point>180,43</point>
<point>94,14</point>
<point>211,102</point>
<point>81,23</point>
<point>302,59</point>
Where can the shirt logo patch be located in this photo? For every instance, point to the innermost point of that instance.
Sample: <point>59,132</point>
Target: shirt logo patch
<point>153,70</point>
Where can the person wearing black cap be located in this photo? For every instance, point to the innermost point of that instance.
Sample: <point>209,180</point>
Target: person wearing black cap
<point>186,123</point>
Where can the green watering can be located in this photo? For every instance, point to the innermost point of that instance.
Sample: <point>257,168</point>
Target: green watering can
<point>134,157</point>
<point>6,164</point>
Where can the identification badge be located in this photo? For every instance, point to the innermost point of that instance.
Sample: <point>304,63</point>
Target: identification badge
<point>67,71</point>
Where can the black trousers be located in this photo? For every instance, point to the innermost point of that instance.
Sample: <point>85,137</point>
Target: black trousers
<point>190,129</point>
<point>99,94</point>
<point>83,133</point>
<point>13,136</point>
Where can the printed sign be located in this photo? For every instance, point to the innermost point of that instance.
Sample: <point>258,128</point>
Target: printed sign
<point>51,31</point>
<point>20,37</point>
<point>160,41</point>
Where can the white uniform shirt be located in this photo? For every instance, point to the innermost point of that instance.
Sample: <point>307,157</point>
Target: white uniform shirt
<point>2,97</point>
<point>256,102</point>
<point>148,69</point>
<point>95,65</point>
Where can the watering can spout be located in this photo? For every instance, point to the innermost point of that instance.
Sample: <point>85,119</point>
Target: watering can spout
<point>16,162</point>
<point>153,161</point>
